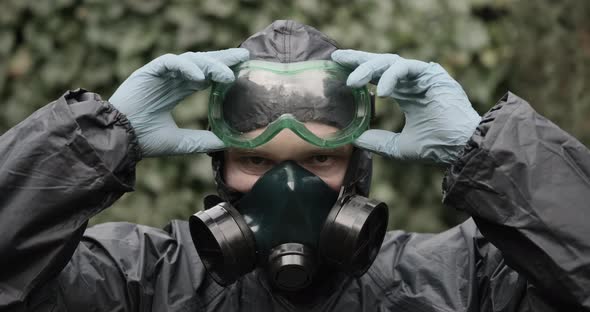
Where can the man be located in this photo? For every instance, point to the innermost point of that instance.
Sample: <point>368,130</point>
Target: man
<point>524,181</point>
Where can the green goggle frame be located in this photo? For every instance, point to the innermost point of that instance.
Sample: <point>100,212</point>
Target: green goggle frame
<point>332,70</point>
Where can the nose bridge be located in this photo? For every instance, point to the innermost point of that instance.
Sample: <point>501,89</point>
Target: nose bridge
<point>287,145</point>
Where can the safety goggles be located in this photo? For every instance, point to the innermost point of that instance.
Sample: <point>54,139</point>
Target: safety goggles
<point>268,97</point>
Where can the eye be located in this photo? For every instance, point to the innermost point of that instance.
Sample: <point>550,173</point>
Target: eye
<point>255,164</point>
<point>321,158</point>
<point>256,160</point>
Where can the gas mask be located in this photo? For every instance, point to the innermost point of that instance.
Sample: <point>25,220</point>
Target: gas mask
<point>290,223</point>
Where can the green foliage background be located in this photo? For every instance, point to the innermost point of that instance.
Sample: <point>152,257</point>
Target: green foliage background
<point>538,49</point>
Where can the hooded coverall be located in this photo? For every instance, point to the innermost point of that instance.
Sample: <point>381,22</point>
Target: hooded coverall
<point>524,181</point>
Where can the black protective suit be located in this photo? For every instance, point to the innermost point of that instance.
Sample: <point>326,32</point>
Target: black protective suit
<point>525,182</point>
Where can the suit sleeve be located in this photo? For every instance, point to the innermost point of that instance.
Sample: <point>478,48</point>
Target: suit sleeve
<point>526,183</point>
<point>65,163</point>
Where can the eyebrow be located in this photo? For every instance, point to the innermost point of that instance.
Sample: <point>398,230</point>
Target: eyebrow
<point>252,152</point>
<point>335,150</point>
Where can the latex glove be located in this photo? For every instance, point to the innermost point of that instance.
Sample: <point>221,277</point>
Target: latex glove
<point>439,116</point>
<point>150,94</point>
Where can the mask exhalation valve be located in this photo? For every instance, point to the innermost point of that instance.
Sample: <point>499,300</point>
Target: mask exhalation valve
<point>291,266</point>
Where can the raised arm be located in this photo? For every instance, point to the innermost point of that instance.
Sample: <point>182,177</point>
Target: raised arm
<point>59,167</point>
<point>75,157</point>
<point>526,183</point>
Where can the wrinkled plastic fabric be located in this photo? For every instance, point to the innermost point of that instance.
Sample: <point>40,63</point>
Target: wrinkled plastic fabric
<point>287,41</point>
<point>524,181</point>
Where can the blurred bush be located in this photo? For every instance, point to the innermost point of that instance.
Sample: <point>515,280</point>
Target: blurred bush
<point>538,49</point>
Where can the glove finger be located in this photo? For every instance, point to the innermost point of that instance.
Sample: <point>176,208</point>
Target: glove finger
<point>174,63</point>
<point>402,69</point>
<point>372,69</point>
<point>381,142</point>
<point>231,56</point>
<point>351,58</point>
<point>189,141</point>
<point>212,68</point>
<point>390,77</point>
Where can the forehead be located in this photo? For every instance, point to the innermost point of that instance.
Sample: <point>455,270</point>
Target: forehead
<point>288,145</point>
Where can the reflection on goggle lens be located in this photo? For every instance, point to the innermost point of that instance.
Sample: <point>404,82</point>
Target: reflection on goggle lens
<point>269,97</point>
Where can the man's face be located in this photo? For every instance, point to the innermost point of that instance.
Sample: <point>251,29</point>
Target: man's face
<point>243,167</point>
